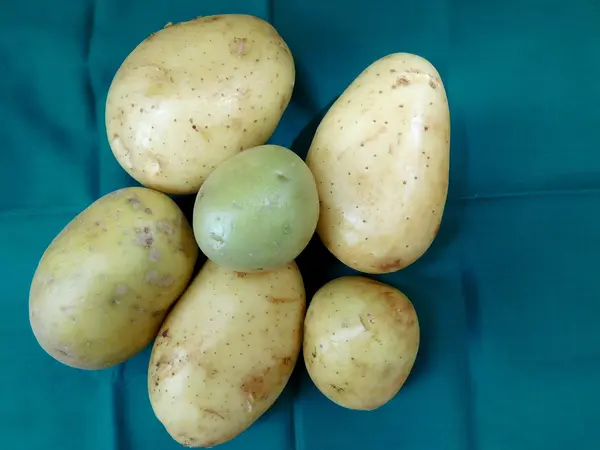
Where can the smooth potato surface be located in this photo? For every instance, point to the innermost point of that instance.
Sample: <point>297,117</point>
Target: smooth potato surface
<point>257,211</point>
<point>381,161</point>
<point>225,352</point>
<point>361,339</point>
<point>105,283</point>
<point>193,95</point>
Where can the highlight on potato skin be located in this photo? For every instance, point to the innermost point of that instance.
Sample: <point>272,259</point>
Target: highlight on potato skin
<point>195,94</point>
<point>361,339</point>
<point>103,286</point>
<point>381,158</point>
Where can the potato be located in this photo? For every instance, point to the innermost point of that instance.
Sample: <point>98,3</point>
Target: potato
<point>361,339</point>
<point>103,286</point>
<point>193,95</point>
<point>257,211</point>
<point>380,157</point>
<point>226,352</point>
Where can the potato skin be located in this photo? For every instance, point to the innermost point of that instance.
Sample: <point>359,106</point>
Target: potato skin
<point>380,157</point>
<point>105,283</point>
<point>225,352</point>
<point>361,339</point>
<point>258,211</point>
<point>194,94</point>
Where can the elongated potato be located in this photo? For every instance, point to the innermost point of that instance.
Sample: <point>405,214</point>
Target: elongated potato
<point>225,352</point>
<point>195,94</point>
<point>361,339</point>
<point>103,286</point>
<point>381,160</point>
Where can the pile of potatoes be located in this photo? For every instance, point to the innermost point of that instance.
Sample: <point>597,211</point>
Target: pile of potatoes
<point>189,112</point>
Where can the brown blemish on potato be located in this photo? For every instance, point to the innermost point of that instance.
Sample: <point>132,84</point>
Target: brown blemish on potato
<point>148,211</point>
<point>390,266</point>
<point>214,413</point>
<point>164,334</point>
<point>209,19</point>
<point>402,81</point>
<point>437,228</point>
<point>254,386</point>
<point>239,46</point>
<point>433,83</point>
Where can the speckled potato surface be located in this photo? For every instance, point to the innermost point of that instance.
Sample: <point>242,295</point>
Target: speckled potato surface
<point>193,95</point>
<point>225,352</point>
<point>105,283</point>
<point>361,339</point>
<point>257,211</point>
<point>381,157</point>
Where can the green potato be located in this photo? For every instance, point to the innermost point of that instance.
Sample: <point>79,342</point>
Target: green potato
<point>258,210</point>
<point>104,285</point>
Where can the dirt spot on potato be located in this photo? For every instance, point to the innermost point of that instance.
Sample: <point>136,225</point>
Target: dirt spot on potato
<point>164,227</point>
<point>367,321</point>
<point>258,385</point>
<point>154,255</point>
<point>134,202</point>
<point>165,333</point>
<point>283,299</point>
<point>159,313</point>
<point>144,236</point>
<point>433,83</point>
<point>155,279</point>
<point>239,46</point>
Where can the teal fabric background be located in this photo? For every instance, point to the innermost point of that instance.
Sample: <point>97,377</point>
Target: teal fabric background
<point>510,355</point>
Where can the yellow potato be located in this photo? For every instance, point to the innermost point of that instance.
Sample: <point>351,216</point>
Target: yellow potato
<point>195,94</point>
<point>361,339</point>
<point>381,160</point>
<point>104,285</point>
<point>225,352</point>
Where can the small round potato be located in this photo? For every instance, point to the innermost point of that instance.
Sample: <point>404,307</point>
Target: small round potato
<point>257,211</point>
<point>361,339</point>
<point>195,94</point>
<point>104,285</point>
<point>226,352</point>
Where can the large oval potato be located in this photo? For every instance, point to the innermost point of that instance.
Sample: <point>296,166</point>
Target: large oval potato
<point>194,94</point>
<point>104,285</point>
<point>380,157</point>
<point>361,339</point>
<point>257,211</point>
<point>225,352</point>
